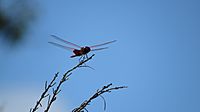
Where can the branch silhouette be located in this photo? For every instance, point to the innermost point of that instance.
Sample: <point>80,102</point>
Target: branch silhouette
<point>105,89</point>
<point>56,91</point>
<point>44,94</point>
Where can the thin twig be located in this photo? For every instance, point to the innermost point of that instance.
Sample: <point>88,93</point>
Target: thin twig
<point>105,89</point>
<point>44,94</point>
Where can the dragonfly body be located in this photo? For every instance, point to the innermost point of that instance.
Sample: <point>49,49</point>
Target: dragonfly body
<point>82,51</point>
<point>79,51</point>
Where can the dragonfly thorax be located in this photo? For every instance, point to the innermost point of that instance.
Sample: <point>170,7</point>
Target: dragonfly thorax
<point>82,51</point>
<point>85,50</point>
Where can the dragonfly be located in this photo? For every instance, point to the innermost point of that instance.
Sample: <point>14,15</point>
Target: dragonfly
<point>79,51</point>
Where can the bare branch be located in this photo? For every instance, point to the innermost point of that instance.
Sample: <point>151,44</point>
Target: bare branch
<point>44,94</point>
<point>64,78</point>
<point>52,97</point>
<point>105,89</point>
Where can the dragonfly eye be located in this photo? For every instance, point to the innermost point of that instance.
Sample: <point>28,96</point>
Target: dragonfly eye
<point>87,49</point>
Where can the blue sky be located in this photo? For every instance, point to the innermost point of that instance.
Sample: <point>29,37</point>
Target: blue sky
<point>156,55</point>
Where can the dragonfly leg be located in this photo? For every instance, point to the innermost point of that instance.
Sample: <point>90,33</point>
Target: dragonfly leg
<point>86,56</point>
<point>80,59</point>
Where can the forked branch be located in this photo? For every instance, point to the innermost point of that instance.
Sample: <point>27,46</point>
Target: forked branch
<point>45,93</point>
<point>105,89</point>
<point>52,98</point>
<point>64,78</point>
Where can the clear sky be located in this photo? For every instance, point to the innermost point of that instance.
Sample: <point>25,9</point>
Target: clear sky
<point>156,55</point>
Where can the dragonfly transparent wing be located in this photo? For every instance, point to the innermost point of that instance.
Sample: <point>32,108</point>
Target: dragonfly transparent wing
<point>61,46</point>
<point>69,43</point>
<point>99,49</point>
<point>102,44</point>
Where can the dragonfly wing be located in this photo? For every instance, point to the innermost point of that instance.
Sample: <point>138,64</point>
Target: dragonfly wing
<point>61,46</point>
<point>99,49</point>
<point>102,44</point>
<point>70,43</point>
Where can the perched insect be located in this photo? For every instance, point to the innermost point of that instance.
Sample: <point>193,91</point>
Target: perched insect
<point>79,51</point>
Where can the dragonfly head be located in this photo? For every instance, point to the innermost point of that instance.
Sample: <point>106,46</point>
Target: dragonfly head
<point>87,49</point>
